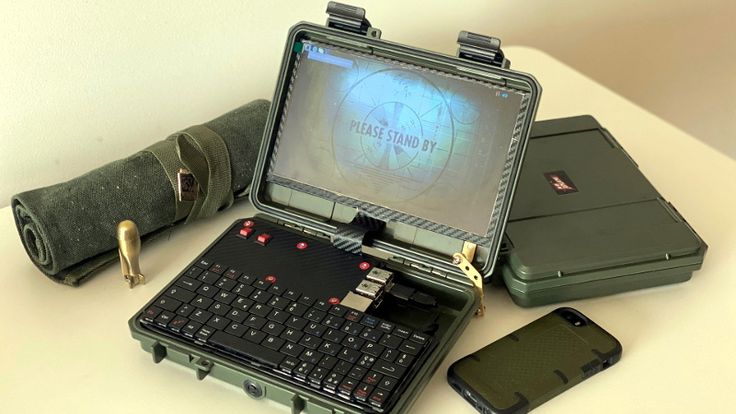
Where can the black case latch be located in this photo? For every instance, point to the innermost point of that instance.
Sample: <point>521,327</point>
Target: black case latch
<point>350,18</point>
<point>481,48</point>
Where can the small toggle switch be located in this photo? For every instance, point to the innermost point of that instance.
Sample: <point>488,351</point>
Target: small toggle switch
<point>263,239</point>
<point>246,231</point>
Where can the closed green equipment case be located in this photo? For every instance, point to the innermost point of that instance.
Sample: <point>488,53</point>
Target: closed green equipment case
<point>586,222</point>
<point>384,152</point>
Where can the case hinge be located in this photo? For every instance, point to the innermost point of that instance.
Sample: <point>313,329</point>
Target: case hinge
<point>463,261</point>
<point>350,18</point>
<point>351,237</point>
<point>482,49</point>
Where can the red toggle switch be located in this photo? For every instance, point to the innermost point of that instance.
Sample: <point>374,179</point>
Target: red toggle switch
<point>263,238</point>
<point>249,223</point>
<point>246,232</point>
<point>364,266</point>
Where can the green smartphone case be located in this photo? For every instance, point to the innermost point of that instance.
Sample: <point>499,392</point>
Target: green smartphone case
<point>585,221</point>
<point>531,365</point>
<point>420,252</point>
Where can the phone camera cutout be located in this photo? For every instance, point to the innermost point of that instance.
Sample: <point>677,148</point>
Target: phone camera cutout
<point>573,318</point>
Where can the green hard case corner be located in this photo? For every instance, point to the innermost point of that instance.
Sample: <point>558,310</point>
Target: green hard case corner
<point>423,258</point>
<point>612,233</point>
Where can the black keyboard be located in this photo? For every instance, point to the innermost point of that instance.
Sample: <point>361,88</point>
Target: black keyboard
<point>332,349</point>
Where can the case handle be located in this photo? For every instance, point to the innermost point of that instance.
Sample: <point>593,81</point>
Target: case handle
<point>350,18</point>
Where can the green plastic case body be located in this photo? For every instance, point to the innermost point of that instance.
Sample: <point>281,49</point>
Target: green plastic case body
<point>605,230</point>
<point>423,258</point>
<point>531,365</point>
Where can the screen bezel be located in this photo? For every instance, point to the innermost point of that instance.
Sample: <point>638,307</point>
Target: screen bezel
<point>456,66</point>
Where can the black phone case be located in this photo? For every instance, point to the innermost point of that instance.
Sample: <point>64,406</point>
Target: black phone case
<point>534,363</point>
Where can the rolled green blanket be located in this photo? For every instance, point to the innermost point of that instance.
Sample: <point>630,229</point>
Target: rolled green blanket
<point>68,229</point>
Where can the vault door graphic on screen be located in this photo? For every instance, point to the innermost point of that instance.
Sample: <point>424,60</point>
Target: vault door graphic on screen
<point>396,135</point>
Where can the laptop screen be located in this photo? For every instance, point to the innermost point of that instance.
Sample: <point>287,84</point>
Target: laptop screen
<point>413,140</point>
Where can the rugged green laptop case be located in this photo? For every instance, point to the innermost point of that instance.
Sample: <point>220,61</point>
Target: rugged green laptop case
<point>586,222</point>
<point>419,251</point>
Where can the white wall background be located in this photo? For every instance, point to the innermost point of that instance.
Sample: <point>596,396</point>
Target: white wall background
<point>83,83</point>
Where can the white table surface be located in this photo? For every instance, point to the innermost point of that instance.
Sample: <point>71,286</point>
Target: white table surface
<point>69,350</point>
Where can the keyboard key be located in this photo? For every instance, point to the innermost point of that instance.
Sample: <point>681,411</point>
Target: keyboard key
<point>278,302</point>
<point>353,315</point>
<point>310,356</point>
<point>201,316</point>
<point>387,368</point>
<point>254,336</point>
<point>362,391</point>
<point>193,272</point>
<point>236,315</point>
<point>366,361</point>
<point>209,278</point>
<point>315,315</point>
<point>242,303</point>
<point>248,349</point>
<point>317,376</point>
<point>390,354</point>
<point>370,334</point>
<point>278,316</point>
<point>357,373</point>
<point>334,322</point>
<point>273,342</point>
<point>309,341</point>
<point>218,322</point>
<point>410,347</point>
<point>204,263</point>
<point>217,268</point>
<point>164,318</point>
<point>322,305</point>
<point>243,290</point>
<point>246,279</point>
<point>349,355</point>
<point>353,342</point>
<point>328,362</point>
<point>387,383</point>
<point>333,335</point>
<point>378,398</point>
<point>226,283</point>
<point>261,284</point>
<point>404,360</point>
<point>346,386</point>
<point>289,364</point>
<point>232,274</point>
<point>390,341</point>
<point>343,367</point>
<point>419,338</point>
<point>187,283</point>
<point>402,332</point>
<point>219,308</point>
<point>191,328</point>
<point>255,322</point>
<point>207,290</point>
<point>386,327</point>
<point>338,310</point>
<point>225,297</point>
<point>303,370</point>
<point>260,309</point>
<point>204,333</point>
<point>315,329</point>
<point>276,289</point>
<point>151,313</point>
<point>292,335</point>
<point>297,309</point>
<point>168,303</point>
<point>292,349</point>
<point>261,296</point>
<point>369,321</point>
<point>185,310</point>
<point>202,302</point>
<point>329,348</point>
<point>273,328</point>
<point>372,378</point>
<point>332,381</point>
<point>236,329</point>
<point>291,295</point>
<point>306,300</point>
<point>296,322</point>
<point>371,348</point>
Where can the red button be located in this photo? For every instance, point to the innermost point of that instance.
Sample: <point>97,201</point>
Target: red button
<point>364,265</point>
<point>333,301</point>
<point>246,232</point>
<point>270,279</point>
<point>302,245</point>
<point>249,223</point>
<point>263,238</point>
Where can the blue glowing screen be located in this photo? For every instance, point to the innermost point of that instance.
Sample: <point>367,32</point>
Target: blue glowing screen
<point>417,141</point>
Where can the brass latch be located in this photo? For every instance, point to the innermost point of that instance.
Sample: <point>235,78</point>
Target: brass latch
<point>129,249</point>
<point>463,261</point>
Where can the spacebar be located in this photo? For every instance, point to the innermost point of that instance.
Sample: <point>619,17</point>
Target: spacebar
<point>251,350</point>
